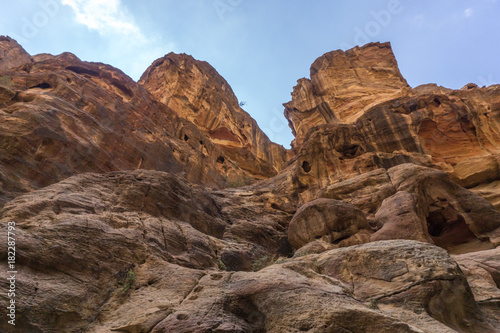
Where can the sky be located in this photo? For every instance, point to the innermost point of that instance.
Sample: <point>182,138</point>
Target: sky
<point>262,47</point>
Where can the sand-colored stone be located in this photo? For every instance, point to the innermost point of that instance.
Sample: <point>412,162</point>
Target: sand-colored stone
<point>162,207</point>
<point>196,92</point>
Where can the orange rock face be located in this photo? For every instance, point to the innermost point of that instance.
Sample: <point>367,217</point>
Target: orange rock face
<point>196,92</point>
<point>61,116</point>
<point>12,54</point>
<point>160,206</point>
<point>342,86</point>
<point>357,114</point>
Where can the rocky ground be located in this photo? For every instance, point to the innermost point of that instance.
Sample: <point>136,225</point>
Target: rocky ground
<point>160,206</point>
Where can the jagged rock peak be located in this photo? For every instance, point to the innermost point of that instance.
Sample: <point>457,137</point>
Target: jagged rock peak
<point>12,54</point>
<point>198,93</point>
<point>342,86</point>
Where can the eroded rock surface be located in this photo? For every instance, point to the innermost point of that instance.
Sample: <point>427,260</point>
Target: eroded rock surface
<point>357,114</point>
<point>12,54</point>
<point>162,207</point>
<point>342,85</point>
<point>61,116</point>
<point>196,92</point>
<point>330,220</point>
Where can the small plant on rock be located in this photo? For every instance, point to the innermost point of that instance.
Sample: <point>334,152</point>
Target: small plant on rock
<point>128,282</point>
<point>260,263</point>
<point>221,264</point>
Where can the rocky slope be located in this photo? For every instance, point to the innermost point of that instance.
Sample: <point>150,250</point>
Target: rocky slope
<point>61,116</point>
<point>12,54</point>
<point>128,219</point>
<point>196,92</point>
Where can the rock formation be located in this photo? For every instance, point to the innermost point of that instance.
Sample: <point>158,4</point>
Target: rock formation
<point>61,116</point>
<point>12,54</point>
<point>196,92</point>
<point>160,206</point>
<point>379,122</point>
<point>342,86</point>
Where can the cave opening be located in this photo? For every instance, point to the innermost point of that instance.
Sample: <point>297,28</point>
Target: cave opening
<point>349,151</point>
<point>306,167</point>
<point>221,159</point>
<point>43,85</point>
<point>448,228</point>
<point>82,70</point>
<point>186,138</point>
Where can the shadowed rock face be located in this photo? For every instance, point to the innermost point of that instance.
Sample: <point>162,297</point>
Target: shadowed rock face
<point>196,92</point>
<point>131,214</point>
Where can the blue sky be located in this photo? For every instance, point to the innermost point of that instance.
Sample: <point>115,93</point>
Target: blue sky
<point>261,47</point>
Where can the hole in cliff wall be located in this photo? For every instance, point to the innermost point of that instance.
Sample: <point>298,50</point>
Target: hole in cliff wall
<point>221,159</point>
<point>81,70</point>
<point>123,88</point>
<point>186,138</point>
<point>436,101</point>
<point>447,228</point>
<point>306,166</point>
<point>349,151</point>
<point>337,241</point>
<point>43,85</point>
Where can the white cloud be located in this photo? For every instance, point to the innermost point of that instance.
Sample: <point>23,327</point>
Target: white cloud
<point>468,12</point>
<point>104,16</point>
<point>125,39</point>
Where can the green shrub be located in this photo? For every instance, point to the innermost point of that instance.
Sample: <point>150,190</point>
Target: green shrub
<point>373,304</point>
<point>260,263</point>
<point>129,281</point>
<point>221,265</point>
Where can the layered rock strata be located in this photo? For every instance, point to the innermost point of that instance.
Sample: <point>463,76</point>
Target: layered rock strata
<point>196,92</point>
<point>131,214</point>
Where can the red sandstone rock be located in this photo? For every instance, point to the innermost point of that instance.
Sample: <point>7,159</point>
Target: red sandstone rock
<point>61,116</point>
<point>12,54</point>
<point>196,92</point>
<point>173,249</point>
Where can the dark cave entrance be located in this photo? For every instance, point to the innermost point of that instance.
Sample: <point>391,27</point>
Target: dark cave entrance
<point>448,228</point>
<point>306,167</point>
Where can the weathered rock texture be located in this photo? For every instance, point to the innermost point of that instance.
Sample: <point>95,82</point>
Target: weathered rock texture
<point>131,215</point>
<point>196,92</point>
<point>357,114</point>
<point>61,116</point>
<point>342,86</point>
<point>12,54</point>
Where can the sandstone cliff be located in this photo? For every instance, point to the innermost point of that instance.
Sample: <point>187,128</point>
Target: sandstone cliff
<point>357,114</point>
<point>12,54</point>
<point>130,218</point>
<point>196,92</point>
<point>61,116</point>
<point>342,86</point>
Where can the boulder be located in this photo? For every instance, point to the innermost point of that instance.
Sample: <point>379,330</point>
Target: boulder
<point>330,220</point>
